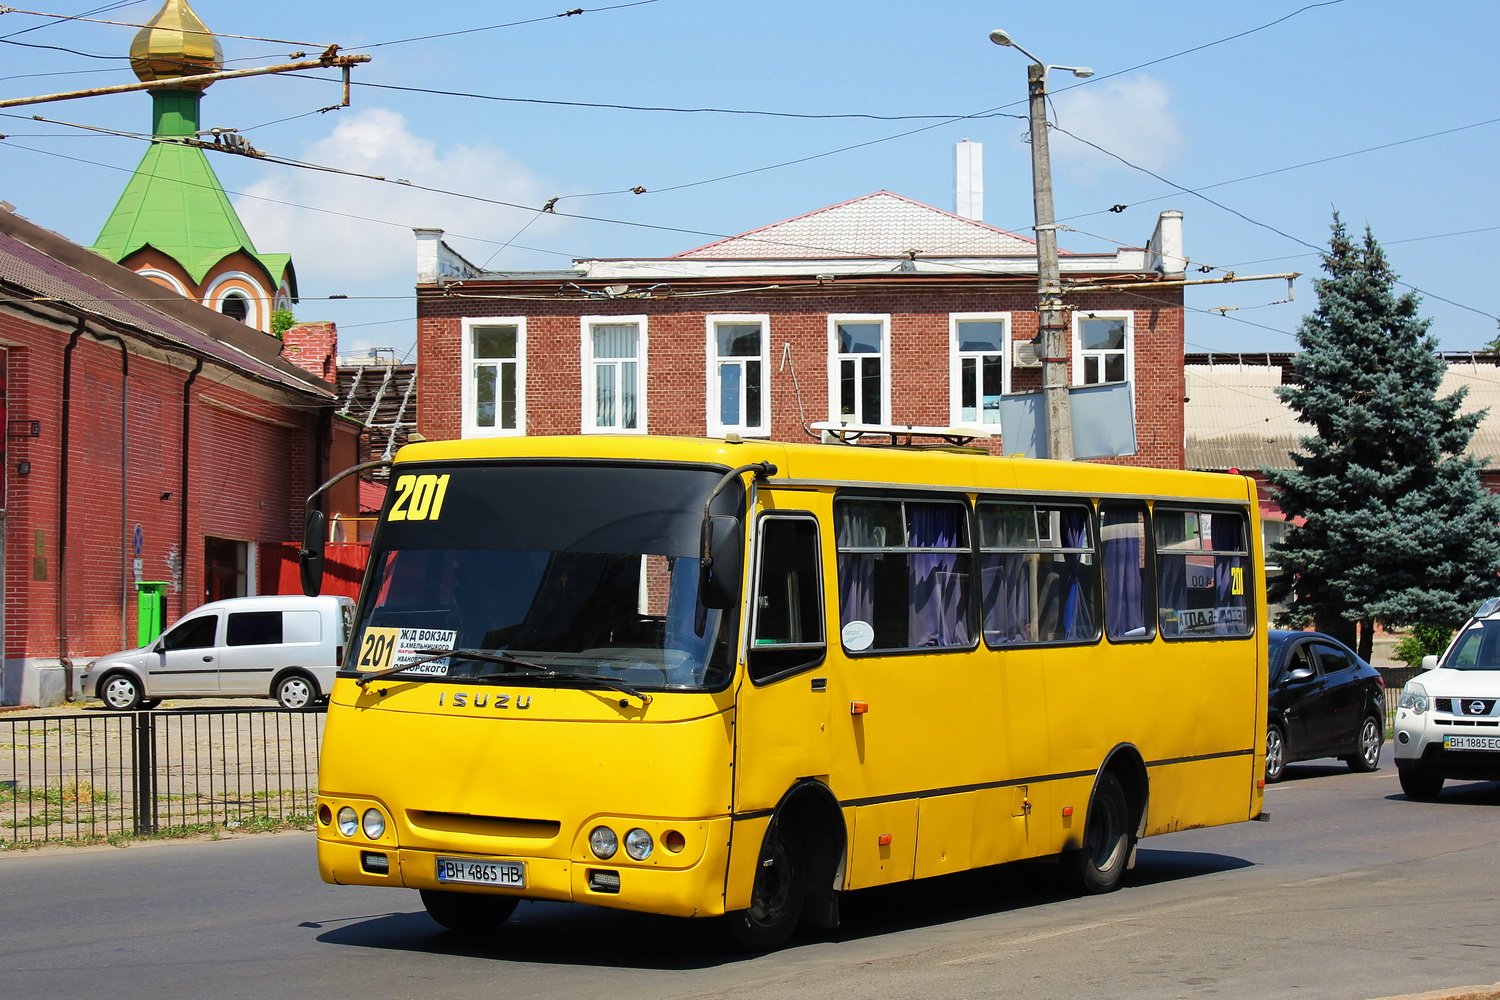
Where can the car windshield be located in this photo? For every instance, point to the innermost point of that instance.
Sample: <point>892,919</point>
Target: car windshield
<point>542,572</point>
<point>1477,647</point>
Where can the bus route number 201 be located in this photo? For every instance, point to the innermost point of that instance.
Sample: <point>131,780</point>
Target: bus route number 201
<point>419,498</point>
<point>377,649</point>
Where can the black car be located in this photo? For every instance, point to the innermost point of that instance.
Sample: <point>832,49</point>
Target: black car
<point>1325,702</point>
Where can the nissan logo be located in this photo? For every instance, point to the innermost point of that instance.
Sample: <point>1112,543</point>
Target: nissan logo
<point>1476,707</point>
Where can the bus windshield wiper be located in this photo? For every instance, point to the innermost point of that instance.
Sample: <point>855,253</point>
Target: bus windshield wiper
<point>539,671</point>
<point>506,657</point>
<point>433,654</point>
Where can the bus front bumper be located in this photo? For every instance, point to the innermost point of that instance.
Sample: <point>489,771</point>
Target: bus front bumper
<point>695,890</point>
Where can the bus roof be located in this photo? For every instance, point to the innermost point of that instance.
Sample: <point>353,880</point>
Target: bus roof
<point>836,464</point>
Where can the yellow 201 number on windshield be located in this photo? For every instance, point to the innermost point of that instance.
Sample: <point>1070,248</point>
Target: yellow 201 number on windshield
<point>377,649</point>
<point>419,498</point>
<point>1236,580</point>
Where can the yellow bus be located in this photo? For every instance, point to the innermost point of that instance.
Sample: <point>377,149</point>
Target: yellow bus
<point>737,679</point>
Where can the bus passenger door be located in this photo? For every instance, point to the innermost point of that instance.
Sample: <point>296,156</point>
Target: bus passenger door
<point>782,718</point>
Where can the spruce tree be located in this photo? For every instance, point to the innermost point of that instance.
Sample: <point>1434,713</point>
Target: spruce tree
<point>1399,529</point>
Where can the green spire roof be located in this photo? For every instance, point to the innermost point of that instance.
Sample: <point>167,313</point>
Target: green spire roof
<point>175,203</point>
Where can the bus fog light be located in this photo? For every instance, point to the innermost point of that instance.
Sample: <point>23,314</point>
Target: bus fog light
<point>348,821</point>
<point>673,841</point>
<point>325,815</point>
<point>603,842</point>
<point>638,844</point>
<point>374,824</point>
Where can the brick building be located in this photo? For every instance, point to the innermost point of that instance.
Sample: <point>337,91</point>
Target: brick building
<point>148,438</point>
<point>880,310</point>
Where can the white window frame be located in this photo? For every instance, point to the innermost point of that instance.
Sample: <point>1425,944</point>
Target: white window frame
<point>1080,356</point>
<point>469,395</point>
<point>716,427</point>
<point>835,358</point>
<point>589,381</point>
<point>955,366</point>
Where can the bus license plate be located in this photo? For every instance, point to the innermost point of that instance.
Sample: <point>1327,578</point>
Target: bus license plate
<point>1471,742</point>
<point>472,871</point>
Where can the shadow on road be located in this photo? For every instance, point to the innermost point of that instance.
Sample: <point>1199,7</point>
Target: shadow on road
<point>575,935</point>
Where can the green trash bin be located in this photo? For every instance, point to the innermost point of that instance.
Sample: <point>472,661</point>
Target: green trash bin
<point>151,608</point>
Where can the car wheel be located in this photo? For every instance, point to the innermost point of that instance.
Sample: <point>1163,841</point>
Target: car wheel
<point>1275,755</point>
<point>1371,736</point>
<point>1099,865</point>
<point>775,899</point>
<point>468,913</point>
<point>296,692</point>
<point>121,692</point>
<point>1418,785</point>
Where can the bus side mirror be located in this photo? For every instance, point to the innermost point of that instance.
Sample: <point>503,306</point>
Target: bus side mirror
<point>722,557</point>
<point>314,531</point>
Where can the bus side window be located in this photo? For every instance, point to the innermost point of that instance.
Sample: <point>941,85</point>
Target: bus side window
<point>788,627</point>
<point>1129,598</point>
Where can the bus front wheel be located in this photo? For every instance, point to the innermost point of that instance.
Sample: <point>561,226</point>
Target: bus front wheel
<point>1099,865</point>
<point>469,913</point>
<point>775,900</point>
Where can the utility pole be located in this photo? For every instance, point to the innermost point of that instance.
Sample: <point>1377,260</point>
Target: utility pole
<point>1052,327</point>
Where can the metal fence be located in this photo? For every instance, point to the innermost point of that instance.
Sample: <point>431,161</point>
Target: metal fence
<point>101,774</point>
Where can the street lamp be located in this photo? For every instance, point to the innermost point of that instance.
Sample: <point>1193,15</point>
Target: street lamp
<point>1052,330</point>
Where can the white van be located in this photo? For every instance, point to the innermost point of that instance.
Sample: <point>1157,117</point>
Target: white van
<point>1448,719</point>
<point>283,647</point>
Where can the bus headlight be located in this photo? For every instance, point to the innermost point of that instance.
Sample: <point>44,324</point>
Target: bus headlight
<point>348,821</point>
<point>374,824</point>
<point>603,842</point>
<point>1413,698</point>
<point>638,844</point>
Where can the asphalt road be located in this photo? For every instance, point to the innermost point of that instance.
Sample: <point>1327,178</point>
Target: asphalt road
<point>1350,892</point>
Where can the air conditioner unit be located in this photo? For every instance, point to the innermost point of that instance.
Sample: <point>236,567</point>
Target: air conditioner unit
<point>1024,355</point>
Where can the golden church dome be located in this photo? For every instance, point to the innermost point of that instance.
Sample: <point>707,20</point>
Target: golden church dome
<point>176,43</point>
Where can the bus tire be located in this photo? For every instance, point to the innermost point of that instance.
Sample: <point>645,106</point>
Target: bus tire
<point>1099,865</point>
<point>776,898</point>
<point>472,914</point>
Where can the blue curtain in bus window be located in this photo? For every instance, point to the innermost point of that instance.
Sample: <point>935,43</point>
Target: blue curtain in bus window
<point>1006,597</point>
<point>1228,536</point>
<point>855,527</point>
<point>939,592</point>
<point>1171,571</point>
<point>1078,609</point>
<point>1124,610</point>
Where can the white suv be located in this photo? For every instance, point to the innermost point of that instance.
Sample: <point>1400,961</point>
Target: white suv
<point>1448,719</point>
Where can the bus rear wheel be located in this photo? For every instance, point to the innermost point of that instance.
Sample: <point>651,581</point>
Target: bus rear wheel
<point>472,914</point>
<point>1099,865</point>
<point>775,900</point>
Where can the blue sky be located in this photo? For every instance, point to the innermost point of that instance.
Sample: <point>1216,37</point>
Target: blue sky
<point>1256,120</point>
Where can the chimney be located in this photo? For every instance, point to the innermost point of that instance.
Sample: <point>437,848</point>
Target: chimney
<point>968,180</point>
<point>313,347</point>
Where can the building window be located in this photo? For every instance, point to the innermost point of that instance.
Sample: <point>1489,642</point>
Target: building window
<point>494,391</point>
<point>738,364</point>
<point>1101,348</point>
<point>235,306</point>
<point>614,374</point>
<point>859,390</point>
<point>980,372</point>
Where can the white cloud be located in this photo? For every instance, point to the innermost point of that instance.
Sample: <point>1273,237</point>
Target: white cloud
<point>348,234</point>
<point>1130,117</point>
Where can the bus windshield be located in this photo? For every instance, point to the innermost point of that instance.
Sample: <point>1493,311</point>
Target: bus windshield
<point>542,571</point>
